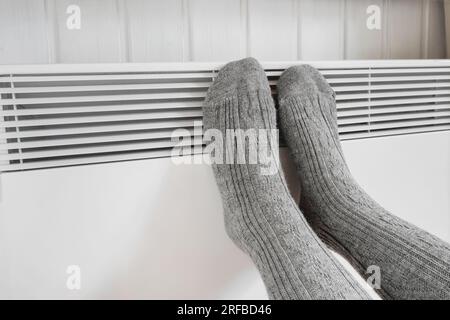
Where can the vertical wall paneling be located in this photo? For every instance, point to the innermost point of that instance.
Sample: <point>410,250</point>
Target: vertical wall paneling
<point>215,29</point>
<point>296,25</point>
<point>436,30</point>
<point>124,45</point>
<point>155,30</point>
<point>385,40</point>
<point>425,28</point>
<point>35,31</point>
<point>404,42</point>
<point>272,32</point>
<point>321,29</point>
<point>244,44</point>
<point>23,34</point>
<point>362,43</point>
<point>50,17</point>
<point>186,31</point>
<point>447,28</point>
<point>97,40</point>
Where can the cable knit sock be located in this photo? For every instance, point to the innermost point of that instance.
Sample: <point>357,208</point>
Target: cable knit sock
<point>260,215</point>
<point>413,263</point>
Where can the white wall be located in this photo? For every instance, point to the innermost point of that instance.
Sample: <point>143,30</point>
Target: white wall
<point>34,31</point>
<point>150,229</point>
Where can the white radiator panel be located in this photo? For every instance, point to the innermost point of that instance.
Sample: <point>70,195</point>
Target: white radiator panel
<point>61,115</point>
<point>151,229</point>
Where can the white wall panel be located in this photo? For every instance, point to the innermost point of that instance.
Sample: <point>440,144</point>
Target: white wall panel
<point>436,31</point>
<point>216,30</point>
<point>23,33</point>
<point>98,39</point>
<point>156,30</point>
<point>321,30</point>
<point>360,42</point>
<point>272,29</point>
<point>405,23</point>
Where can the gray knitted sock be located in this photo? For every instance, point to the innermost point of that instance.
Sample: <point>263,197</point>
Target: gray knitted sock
<point>413,263</point>
<point>260,215</point>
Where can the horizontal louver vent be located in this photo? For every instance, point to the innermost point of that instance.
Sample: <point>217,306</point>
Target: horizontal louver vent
<point>54,116</point>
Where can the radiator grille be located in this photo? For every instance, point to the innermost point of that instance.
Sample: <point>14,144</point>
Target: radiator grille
<point>53,116</point>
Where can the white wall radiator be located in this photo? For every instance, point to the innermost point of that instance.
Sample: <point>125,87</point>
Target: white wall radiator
<point>62,115</point>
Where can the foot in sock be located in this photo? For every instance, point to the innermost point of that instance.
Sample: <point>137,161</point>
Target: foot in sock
<point>413,263</point>
<point>260,215</point>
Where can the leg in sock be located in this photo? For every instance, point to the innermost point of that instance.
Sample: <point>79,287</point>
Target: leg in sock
<point>260,215</point>
<point>413,263</point>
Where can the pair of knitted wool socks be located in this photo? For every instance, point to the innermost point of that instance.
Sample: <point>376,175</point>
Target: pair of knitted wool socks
<point>288,244</point>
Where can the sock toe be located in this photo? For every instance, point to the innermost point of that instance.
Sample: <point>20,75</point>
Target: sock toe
<point>302,80</point>
<point>238,77</point>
